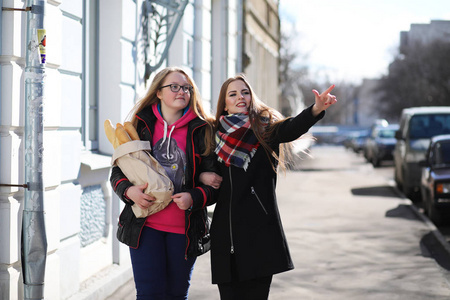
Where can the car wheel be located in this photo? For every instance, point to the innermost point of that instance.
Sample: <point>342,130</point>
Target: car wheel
<point>423,196</point>
<point>376,161</point>
<point>435,215</point>
<point>397,180</point>
<point>405,186</point>
<point>409,191</point>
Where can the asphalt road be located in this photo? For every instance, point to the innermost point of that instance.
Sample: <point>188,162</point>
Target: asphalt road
<point>351,236</point>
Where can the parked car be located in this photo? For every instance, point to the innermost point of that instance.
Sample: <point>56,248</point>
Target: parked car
<point>417,126</point>
<point>376,123</point>
<point>356,140</point>
<point>435,180</point>
<point>380,143</point>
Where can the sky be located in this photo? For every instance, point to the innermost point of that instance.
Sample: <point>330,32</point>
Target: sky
<point>349,40</point>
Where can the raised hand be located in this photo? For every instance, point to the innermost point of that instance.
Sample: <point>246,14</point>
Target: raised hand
<point>324,100</point>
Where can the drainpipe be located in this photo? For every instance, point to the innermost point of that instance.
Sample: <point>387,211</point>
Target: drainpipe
<point>240,36</point>
<point>34,240</point>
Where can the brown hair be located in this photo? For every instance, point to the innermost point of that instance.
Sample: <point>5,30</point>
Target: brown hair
<point>195,102</point>
<point>259,113</point>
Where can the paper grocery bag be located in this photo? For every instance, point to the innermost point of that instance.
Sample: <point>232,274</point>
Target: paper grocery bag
<point>135,161</point>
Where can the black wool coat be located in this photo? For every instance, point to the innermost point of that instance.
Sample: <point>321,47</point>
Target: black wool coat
<point>246,222</point>
<point>196,218</point>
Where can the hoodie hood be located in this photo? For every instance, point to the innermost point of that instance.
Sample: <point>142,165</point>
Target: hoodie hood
<point>169,144</point>
<point>188,115</point>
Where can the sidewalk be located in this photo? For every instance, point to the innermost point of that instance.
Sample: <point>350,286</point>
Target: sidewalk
<point>350,236</point>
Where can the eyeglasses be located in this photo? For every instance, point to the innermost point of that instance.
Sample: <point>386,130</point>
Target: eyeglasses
<point>176,87</point>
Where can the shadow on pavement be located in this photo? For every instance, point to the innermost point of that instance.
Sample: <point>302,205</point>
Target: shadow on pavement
<point>402,211</point>
<point>432,248</point>
<point>378,191</point>
<point>430,245</point>
<point>445,230</point>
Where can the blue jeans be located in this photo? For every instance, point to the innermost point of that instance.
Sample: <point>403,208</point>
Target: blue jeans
<point>159,267</point>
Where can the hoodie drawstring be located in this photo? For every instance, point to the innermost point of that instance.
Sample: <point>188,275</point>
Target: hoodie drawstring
<point>168,141</point>
<point>164,135</point>
<point>164,138</point>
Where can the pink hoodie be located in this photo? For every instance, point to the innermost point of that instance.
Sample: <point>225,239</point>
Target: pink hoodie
<point>169,149</point>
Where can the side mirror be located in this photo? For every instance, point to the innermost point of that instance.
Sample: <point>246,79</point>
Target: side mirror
<point>398,135</point>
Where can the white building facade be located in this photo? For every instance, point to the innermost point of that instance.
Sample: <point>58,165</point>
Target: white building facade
<point>94,71</point>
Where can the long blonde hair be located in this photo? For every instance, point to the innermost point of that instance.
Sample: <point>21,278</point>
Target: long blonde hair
<point>259,113</point>
<point>195,102</point>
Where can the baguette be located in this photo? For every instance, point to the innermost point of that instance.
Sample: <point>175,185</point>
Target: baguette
<point>121,134</point>
<point>110,133</point>
<point>131,131</point>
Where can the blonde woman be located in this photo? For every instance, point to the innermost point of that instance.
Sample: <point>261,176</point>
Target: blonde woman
<point>164,246</point>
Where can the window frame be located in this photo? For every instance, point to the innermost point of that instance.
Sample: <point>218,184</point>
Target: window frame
<point>90,70</point>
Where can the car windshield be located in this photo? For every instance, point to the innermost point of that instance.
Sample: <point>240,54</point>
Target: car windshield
<point>442,153</point>
<point>386,133</point>
<point>427,126</point>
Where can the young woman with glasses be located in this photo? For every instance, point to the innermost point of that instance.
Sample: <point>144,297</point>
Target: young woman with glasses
<point>164,246</point>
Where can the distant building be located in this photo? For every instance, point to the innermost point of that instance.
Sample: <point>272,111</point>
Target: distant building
<point>424,34</point>
<point>261,45</point>
<point>97,58</point>
<point>367,111</point>
<point>418,34</point>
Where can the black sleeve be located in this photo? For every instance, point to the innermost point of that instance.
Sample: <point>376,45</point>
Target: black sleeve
<point>205,195</point>
<point>120,184</point>
<point>292,128</point>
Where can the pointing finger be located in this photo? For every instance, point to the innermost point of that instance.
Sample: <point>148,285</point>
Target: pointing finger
<point>328,90</point>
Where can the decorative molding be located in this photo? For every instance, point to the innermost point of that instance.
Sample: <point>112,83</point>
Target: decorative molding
<point>160,20</point>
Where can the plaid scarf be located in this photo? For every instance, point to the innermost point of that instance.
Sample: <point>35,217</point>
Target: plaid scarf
<point>235,141</point>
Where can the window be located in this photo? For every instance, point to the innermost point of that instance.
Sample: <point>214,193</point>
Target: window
<point>79,70</point>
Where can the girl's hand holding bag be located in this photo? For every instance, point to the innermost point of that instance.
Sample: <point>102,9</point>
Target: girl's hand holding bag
<point>133,158</point>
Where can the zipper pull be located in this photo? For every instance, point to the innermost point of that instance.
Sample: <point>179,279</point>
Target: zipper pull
<point>232,249</point>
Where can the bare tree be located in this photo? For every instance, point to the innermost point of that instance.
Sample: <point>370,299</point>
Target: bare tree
<point>345,93</point>
<point>293,71</point>
<point>297,83</point>
<point>419,77</point>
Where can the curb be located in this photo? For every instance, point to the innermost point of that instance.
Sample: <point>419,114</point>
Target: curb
<point>433,229</point>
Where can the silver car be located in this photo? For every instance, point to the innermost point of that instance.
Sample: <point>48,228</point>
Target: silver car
<point>417,126</point>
